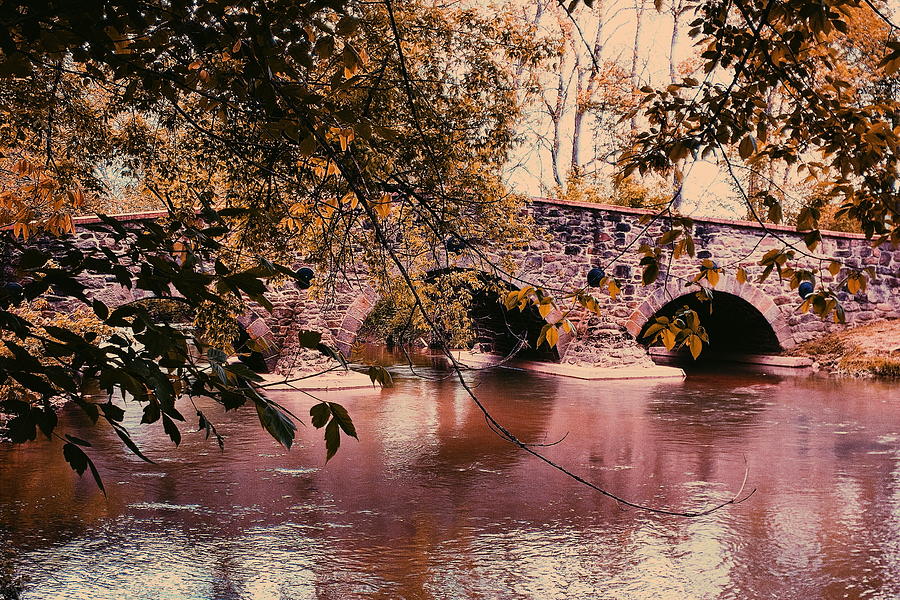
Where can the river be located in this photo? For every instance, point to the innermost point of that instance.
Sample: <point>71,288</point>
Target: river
<point>431,504</point>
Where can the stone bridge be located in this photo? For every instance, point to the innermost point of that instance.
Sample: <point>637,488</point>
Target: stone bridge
<point>571,238</point>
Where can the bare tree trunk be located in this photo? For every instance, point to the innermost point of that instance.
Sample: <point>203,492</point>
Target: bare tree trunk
<point>753,189</point>
<point>581,103</point>
<point>556,118</point>
<point>639,14</point>
<point>678,170</point>
<point>586,86</point>
<point>676,18</point>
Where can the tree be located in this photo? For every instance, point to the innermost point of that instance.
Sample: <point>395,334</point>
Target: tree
<point>579,94</point>
<point>343,132</point>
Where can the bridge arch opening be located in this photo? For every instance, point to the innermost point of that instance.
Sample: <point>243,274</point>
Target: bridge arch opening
<point>253,340</point>
<point>491,328</point>
<point>735,325</point>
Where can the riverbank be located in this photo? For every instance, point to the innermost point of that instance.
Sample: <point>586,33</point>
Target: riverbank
<point>871,350</point>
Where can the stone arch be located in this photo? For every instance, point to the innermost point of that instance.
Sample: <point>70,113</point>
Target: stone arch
<point>498,330</point>
<point>345,334</point>
<point>252,325</point>
<point>353,318</point>
<point>749,295</point>
<point>257,328</point>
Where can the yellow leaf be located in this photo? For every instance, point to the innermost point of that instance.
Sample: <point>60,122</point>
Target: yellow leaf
<point>747,147</point>
<point>696,346</point>
<point>741,275</point>
<point>383,206</point>
<point>351,60</point>
<point>512,299</point>
<point>614,290</point>
<point>852,284</point>
<point>668,338</point>
<point>307,148</point>
<point>346,136</point>
<point>552,336</point>
<point>545,308</point>
<point>69,224</point>
<point>834,268</point>
<point>712,275</point>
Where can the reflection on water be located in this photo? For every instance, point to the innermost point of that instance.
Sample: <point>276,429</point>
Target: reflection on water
<point>431,504</point>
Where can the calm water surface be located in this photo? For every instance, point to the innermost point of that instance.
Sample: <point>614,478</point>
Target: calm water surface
<point>431,504</point>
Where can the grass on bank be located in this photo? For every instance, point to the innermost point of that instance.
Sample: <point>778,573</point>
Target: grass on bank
<point>871,350</point>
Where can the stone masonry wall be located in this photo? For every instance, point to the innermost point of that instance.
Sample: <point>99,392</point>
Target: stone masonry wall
<point>583,235</point>
<point>569,239</point>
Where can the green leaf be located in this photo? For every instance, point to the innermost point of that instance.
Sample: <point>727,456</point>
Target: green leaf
<point>241,370</point>
<point>320,413</point>
<point>151,412</point>
<point>332,353</point>
<point>669,237</point>
<point>332,439</point>
<point>171,429</point>
<point>123,435</point>
<point>113,412</point>
<point>205,424</point>
<point>379,374</point>
<point>276,422</point>
<point>79,461</point>
<point>78,441</point>
<point>101,310</point>
<point>343,419</point>
<point>651,272</point>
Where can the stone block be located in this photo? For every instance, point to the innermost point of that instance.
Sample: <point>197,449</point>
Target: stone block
<point>258,328</point>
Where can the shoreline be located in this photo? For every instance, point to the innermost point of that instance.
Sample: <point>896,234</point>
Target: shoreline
<point>870,351</point>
